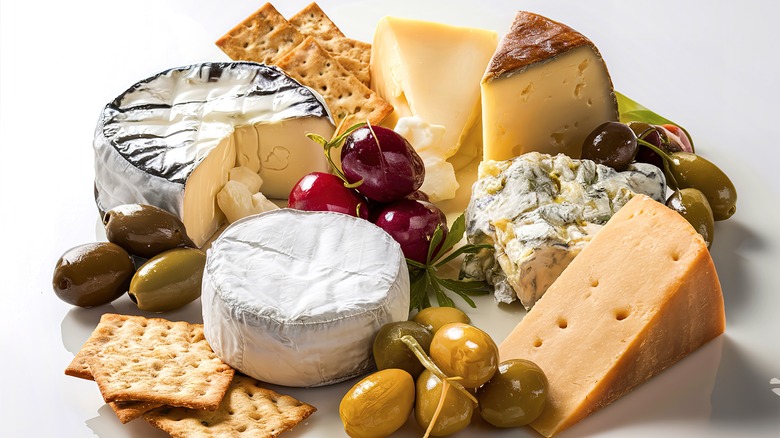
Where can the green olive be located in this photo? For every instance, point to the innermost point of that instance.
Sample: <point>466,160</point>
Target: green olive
<point>168,280</point>
<point>433,318</point>
<point>92,274</point>
<point>145,230</point>
<point>463,350</point>
<point>694,207</point>
<point>378,405</point>
<point>456,410</point>
<point>693,171</point>
<point>515,396</point>
<point>391,352</point>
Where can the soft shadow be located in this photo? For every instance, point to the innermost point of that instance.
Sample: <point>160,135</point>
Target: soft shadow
<point>107,425</point>
<point>743,394</point>
<point>734,242</point>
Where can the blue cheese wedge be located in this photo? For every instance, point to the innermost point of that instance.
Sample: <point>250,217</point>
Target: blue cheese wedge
<point>172,139</point>
<point>539,211</point>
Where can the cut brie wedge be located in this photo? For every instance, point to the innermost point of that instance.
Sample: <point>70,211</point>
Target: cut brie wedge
<point>172,139</point>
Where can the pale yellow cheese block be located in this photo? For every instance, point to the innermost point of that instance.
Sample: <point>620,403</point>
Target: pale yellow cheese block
<point>642,295</point>
<point>432,71</point>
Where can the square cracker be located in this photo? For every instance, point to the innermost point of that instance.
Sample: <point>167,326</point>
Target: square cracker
<point>312,21</point>
<point>159,361</point>
<point>248,410</point>
<point>345,95</point>
<point>353,55</point>
<point>261,37</point>
<point>78,367</point>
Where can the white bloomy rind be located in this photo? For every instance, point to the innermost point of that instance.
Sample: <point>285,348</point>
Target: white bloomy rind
<point>296,298</point>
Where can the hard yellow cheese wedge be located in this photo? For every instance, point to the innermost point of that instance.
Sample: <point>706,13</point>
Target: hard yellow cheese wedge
<point>641,296</point>
<point>545,90</point>
<point>432,71</point>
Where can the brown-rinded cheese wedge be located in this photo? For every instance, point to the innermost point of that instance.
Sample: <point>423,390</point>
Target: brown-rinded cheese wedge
<point>642,295</point>
<point>545,89</point>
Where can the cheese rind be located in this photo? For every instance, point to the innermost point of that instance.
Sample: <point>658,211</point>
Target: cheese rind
<point>171,139</point>
<point>295,298</point>
<point>431,70</point>
<point>642,295</point>
<point>546,88</point>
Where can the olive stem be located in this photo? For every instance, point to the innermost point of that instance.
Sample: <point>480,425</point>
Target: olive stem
<point>445,386</point>
<point>428,363</point>
<point>664,156</point>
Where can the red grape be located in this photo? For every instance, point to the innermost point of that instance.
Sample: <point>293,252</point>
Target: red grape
<point>320,191</point>
<point>388,165</point>
<point>412,224</point>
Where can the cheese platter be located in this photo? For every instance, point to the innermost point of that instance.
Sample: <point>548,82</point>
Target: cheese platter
<point>192,89</point>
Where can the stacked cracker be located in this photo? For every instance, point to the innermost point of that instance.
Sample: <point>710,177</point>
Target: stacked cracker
<point>312,49</point>
<point>167,372</point>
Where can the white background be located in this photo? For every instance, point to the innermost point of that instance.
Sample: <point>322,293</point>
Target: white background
<point>710,66</point>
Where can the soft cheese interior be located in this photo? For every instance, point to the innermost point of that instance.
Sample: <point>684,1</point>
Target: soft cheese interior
<point>171,140</point>
<point>280,153</point>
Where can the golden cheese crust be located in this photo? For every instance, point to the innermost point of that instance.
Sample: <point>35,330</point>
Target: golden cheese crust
<point>532,38</point>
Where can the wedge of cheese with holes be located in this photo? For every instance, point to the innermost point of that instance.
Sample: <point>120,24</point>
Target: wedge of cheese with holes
<point>545,89</point>
<point>642,295</point>
<point>432,71</point>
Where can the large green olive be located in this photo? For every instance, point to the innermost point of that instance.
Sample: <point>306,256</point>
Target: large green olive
<point>145,230</point>
<point>434,318</point>
<point>463,350</point>
<point>692,171</point>
<point>378,405</point>
<point>391,352</point>
<point>515,396</point>
<point>168,280</point>
<point>694,207</point>
<point>92,274</point>
<point>456,410</point>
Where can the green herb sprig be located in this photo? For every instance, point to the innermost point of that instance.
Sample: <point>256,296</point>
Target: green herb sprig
<point>424,279</point>
<point>335,143</point>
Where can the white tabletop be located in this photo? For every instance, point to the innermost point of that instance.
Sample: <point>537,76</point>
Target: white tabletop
<point>710,66</point>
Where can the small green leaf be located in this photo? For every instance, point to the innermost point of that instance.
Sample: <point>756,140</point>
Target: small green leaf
<point>438,234</point>
<point>453,236</point>
<point>441,297</point>
<point>469,287</point>
<point>632,111</point>
<point>465,249</point>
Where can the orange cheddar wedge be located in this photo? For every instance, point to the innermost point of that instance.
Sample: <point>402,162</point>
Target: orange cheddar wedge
<point>642,295</point>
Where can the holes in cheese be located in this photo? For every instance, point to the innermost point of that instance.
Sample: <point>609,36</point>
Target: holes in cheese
<point>651,310</point>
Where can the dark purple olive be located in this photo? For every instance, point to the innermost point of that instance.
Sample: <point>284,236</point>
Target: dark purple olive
<point>320,191</point>
<point>145,230</point>
<point>93,274</point>
<point>612,144</point>
<point>388,165</point>
<point>412,224</point>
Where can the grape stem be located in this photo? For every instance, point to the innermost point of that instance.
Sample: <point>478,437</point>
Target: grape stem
<point>335,142</point>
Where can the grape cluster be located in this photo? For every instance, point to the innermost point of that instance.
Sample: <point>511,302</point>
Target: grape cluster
<point>379,180</point>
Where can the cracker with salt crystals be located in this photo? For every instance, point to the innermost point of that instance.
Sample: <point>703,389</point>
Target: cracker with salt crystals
<point>345,95</point>
<point>247,410</point>
<point>159,361</point>
<point>353,55</point>
<point>312,21</point>
<point>130,410</point>
<point>261,37</point>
